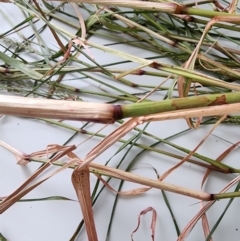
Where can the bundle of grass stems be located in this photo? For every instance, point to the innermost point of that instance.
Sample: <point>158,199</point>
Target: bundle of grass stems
<point>181,61</point>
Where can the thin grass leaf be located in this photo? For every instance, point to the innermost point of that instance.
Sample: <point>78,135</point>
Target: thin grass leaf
<point>168,172</point>
<point>153,223</point>
<point>2,238</point>
<point>52,198</point>
<point>20,66</point>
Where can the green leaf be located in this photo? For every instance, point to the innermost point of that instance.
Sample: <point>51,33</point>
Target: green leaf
<point>20,66</point>
<point>2,238</point>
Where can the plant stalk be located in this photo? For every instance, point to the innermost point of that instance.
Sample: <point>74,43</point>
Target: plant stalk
<point>107,113</point>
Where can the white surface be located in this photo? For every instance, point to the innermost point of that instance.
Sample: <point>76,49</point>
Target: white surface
<point>57,220</point>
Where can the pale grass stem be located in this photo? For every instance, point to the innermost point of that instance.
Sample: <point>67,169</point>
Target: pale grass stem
<point>155,6</point>
<point>196,106</point>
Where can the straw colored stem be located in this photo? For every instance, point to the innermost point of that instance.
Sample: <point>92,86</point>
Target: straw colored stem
<point>169,7</point>
<point>57,109</point>
<point>106,113</point>
<point>155,6</point>
<point>116,173</point>
<point>127,176</point>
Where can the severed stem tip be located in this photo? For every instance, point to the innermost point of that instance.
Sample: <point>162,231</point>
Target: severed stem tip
<point>59,109</point>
